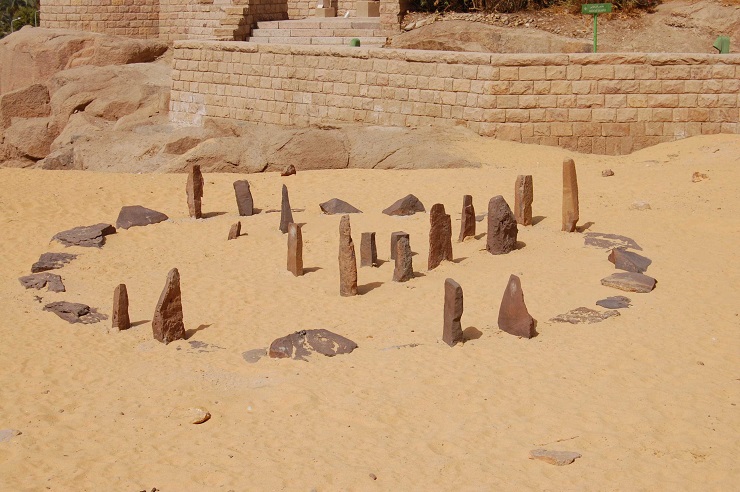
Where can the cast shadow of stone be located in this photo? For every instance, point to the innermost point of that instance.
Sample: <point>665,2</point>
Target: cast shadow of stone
<point>538,219</point>
<point>142,322</point>
<point>364,289</point>
<point>459,260</point>
<point>471,333</point>
<point>209,215</point>
<point>586,226</point>
<point>189,333</point>
<point>311,270</point>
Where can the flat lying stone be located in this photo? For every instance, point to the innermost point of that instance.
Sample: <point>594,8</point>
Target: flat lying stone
<point>337,206</point>
<point>629,261</point>
<point>86,236</point>
<point>254,355</point>
<point>407,205</point>
<point>616,302</point>
<point>583,315</point>
<point>559,458</point>
<point>630,282</point>
<point>303,343</point>
<point>138,216</point>
<point>74,312</point>
<point>38,281</point>
<point>8,434</point>
<point>51,261</point>
<point>609,241</point>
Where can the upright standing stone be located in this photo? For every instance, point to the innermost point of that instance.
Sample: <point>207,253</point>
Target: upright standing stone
<point>235,231</point>
<point>570,196</point>
<point>167,324</point>
<point>523,197</point>
<point>347,260</point>
<point>467,219</point>
<point>295,250</point>
<point>195,191</point>
<point>244,201</point>
<point>513,316</point>
<point>452,332</point>
<point>404,268</point>
<point>120,317</point>
<point>395,236</point>
<point>286,215</point>
<point>440,236</point>
<point>368,251</point>
<point>502,228</point>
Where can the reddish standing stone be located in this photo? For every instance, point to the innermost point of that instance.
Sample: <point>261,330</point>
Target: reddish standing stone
<point>513,316</point>
<point>194,191</point>
<point>167,324</point>
<point>452,331</point>
<point>347,260</point>
<point>523,197</point>
<point>404,268</point>
<point>295,250</point>
<point>502,228</point>
<point>570,196</point>
<point>467,219</point>
<point>121,320</point>
<point>235,231</point>
<point>286,214</point>
<point>244,201</point>
<point>440,236</point>
<point>368,251</point>
<point>395,236</point>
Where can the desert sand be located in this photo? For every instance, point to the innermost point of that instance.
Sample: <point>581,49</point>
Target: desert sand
<point>648,398</point>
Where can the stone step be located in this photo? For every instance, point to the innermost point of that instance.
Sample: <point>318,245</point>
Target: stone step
<point>339,23</point>
<point>318,41</point>
<point>304,33</point>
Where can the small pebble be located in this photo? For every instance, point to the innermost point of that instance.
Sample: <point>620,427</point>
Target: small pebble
<point>372,475</point>
<point>607,172</point>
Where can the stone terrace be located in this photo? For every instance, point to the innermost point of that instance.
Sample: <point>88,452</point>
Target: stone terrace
<point>320,31</point>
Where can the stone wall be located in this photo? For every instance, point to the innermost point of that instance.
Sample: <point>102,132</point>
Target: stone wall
<point>191,19</point>
<point>132,18</point>
<point>300,9</point>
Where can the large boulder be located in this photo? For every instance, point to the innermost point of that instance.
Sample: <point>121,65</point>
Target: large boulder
<point>31,138</point>
<point>28,102</point>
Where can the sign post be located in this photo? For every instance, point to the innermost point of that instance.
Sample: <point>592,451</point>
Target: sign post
<point>595,9</point>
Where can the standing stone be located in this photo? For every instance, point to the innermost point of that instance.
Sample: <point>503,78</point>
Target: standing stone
<point>395,236</point>
<point>295,250</point>
<point>452,332</point>
<point>167,324</point>
<point>194,191</point>
<point>368,251</point>
<point>502,228</point>
<point>570,196</point>
<point>467,220</point>
<point>513,316</point>
<point>440,236</point>
<point>347,260</point>
<point>244,201</point>
<point>121,320</point>
<point>404,269</point>
<point>235,231</point>
<point>286,215</point>
<point>523,197</point>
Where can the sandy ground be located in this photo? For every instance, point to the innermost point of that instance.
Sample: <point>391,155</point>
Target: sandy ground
<point>649,398</point>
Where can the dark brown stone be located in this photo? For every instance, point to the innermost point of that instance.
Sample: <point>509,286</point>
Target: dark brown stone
<point>295,250</point>
<point>629,261</point>
<point>286,215</point>
<point>301,344</point>
<point>235,231</point>
<point>75,312</point>
<point>616,302</point>
<point>502,228</point>
<point>404,268</point>
<point>407,205</point>
<point>630,282</point>
<point>347,260</point>
<point>584,315</point>
<point>85,236</point>
<point>244,201</point>
<point>395,236</point>
<point>467,219</point>
<point>513,316</point>
<point>523,197</point>
<point>452,331</point>
<point>440,236</point>
<point>167,324</point>
<point>194,190</point>
<point>38,281</point>
<point>121,320</point>
<point>570,196</point>
<point>288,171</point>
<point>368,250</point>
<point>337,206</point>
<point>138,216</point>
<point>51,261</point>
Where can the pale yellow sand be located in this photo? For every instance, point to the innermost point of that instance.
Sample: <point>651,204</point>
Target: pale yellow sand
<point>649,398</point>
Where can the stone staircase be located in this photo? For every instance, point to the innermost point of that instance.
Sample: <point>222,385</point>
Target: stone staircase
<point>320,31</point>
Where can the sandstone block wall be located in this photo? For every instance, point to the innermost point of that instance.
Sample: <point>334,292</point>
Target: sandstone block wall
<point>300,9</point>
<point>191,19</point>
<point>599,103</point>
<point>132,18</point>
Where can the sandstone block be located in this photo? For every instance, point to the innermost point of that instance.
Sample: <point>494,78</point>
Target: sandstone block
<point>194,190</point>
<point>235,231</point>
<point>404,268</point>
<point>295,250</point>
<point>347,260</point>
<point>523,197</point>
<point>368,250</point>
<point>244,201</point>
<point>167,323</point>
<point>630,282</point>
<point>395,236</point>
<point>502,228</point>
<point>513,316</point>
<point>120,316</point>
<point>286,214</point>
<point>570,196</point>
<point>440,236</point>
<point>467,220</point>
<point>452,332</point>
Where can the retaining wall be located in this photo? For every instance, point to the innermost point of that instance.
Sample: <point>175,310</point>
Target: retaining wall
<point>132,18</point>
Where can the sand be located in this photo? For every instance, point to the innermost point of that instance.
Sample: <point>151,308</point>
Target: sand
<point>648,398</point>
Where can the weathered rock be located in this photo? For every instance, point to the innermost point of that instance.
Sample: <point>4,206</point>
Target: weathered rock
<point>609,241</point>
<point>407,205</point>
<point>513,316</point>
<point>194,190</point>
<point>38,281</point>
<point>337,206</point>
<point>138,216</point>
<point>523,197</point>
<point>286,215</point>
<point>198,415</point>
<point>8,434</point>
<point>368,250</point>
<point>467,219</point>
<point>60,160</point>
<point>502,228</point>
<point>452,331</point>
<point>51,261</point>
<point>288,171</point>
<point>121,321</point>
<point>440,236</point>
<point>640,205</point>
<point>616,302</point>
<point>295,250</point>
<point>235,231</point>
<point>630,282</point>
<point>607,172</point>
<point>31,137</point>
<point>629,261</point>
<point>28,102</point>
<point>181,145</point>
<point>86,236</point>
<point>75,312</point>
<point>583,315</point>
<point>570,196</point>
<point>347,260</point>
<point>395,236</point>
<point>559,458</point>
<point>167,324</point>
<point>244,201</point>
<point>301,344</point>
<point>404,268</point>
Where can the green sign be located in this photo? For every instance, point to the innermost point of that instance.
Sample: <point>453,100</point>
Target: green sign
<point>596,8</point>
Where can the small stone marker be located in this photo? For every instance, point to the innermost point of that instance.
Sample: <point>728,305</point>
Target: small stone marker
<point>629,261</point>
<point>121,321</point>
<point>167,324</point>
<point>502,228</point>
<point>559,458</point>
<point>513,316</point>
<point>440,236</point>
<point>51,261</point>
<point>138,216</point>
<point>303,343</point>
<point>395,236</point>
<point>194,190</point>
<point>570,196</point>
<point>235,231</point>
<point>583,315</point>
<point>336,206</point>
<point>630,282</point>
<point>85,236</point>
<point>295,250</point>
<point>288,171</point>
<point>286,215</point>
<point>368,250</point>
<point>467,219</point>
<point>404,268</point>
<point>347,260</point>
<point>74,312</point>
<point>523,197</point>
<point>616,302</point>
<point>38,281</point>
<point>244,201</point>
<point>407,205</point>
<point>452,331</point>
